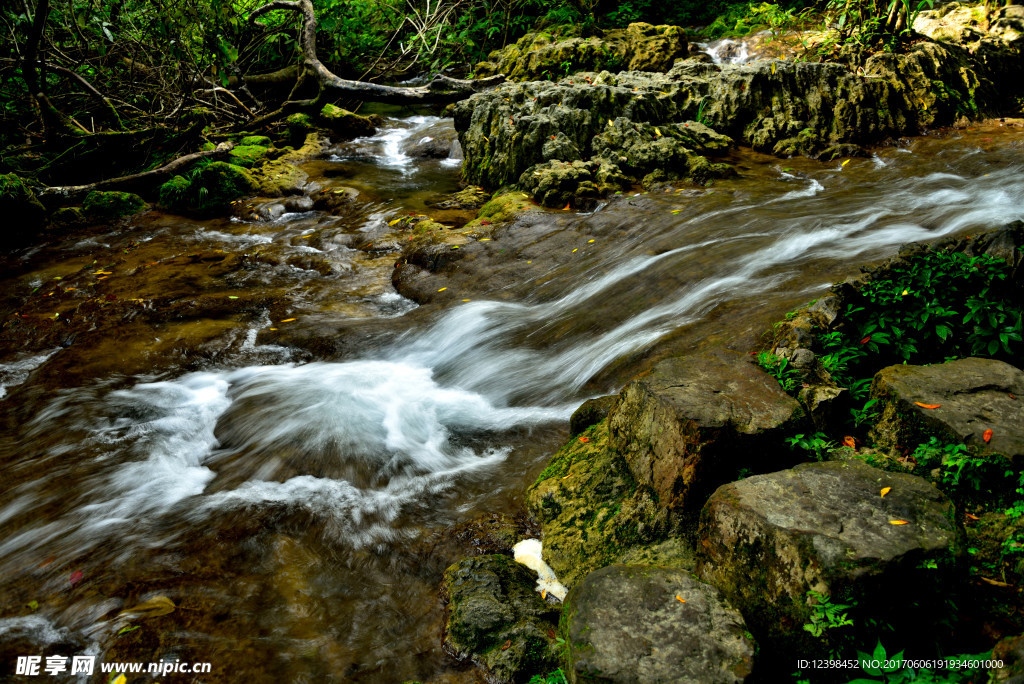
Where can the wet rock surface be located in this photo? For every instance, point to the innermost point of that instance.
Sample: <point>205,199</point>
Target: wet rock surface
<point>689,424</point>
<point>651,624</point>
<point>969,396</point>
<point>495,618</point>
<point>767,540</point>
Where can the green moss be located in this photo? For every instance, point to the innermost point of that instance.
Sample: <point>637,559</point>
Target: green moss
<point>68,216</point>
<point>248,156</point>
<point>344,123</point>
<point>210,189</point>
<point>503,208</point>
<point>111,205</point>
<point>261,140</point>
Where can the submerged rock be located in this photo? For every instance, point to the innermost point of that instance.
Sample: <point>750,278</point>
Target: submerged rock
<point>692,422</point>
<point>969,396</point>
<point>639,47</point>
<point>768,540</point>
<point>495,618</point>
<point>650,624</point>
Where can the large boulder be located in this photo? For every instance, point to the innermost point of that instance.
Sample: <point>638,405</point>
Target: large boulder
<point>590,509</point>
<point>638,47</point>
<point>957,401</point>
<point>842,529</point>
<point>495,618</point>
<point>693,422</point>
<point>651,624</point>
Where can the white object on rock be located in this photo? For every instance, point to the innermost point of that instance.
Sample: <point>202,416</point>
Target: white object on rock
<point>528,552</point>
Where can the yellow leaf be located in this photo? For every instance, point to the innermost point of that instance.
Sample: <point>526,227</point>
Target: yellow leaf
<point>529,262</point>
<point>845,162</point>
<point>575,250</point>
<point>442,289</point>
<point>120,679</point>
<point>288,320</point>
<point>680,599</point>
<point>484,240</point>
<point>994,583</point>
<point>773,67</point>
<point>467,300</point>
<point>657,132</point>
<point>154,607</point>
<point>898,522</point>
<point>544,594</point>
<point>391,223</point>
<point>273,328</point>
<point>886,490</point>
<point>303,237</point>
<point>589,241</point>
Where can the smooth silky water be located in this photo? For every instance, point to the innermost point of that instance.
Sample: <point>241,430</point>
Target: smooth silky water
<point>293,502</point>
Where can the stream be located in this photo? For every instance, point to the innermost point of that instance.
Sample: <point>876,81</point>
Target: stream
<point>242,415</point>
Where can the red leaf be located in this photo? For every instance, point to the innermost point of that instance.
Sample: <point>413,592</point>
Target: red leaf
<point>866,340</point>
<point>584,439</point>
<point>928,406</point>
<point>506,645</point>
<point>987,435</point>
<point>75,577</point>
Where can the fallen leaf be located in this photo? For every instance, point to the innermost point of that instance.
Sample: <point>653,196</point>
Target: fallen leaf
<point>467,300</point>
<point>994,583</point>
<point>575,250</point>
<point>898,522</point>
<point>680,599</point>
<point>551,634</point>
<point>33,605</point>
<point>154,607</point>
<point>844,163</point>
<point>121,679</point>
<point>442,289</point>
<point>273,328</point>
<point>127,628</point>
<point>584,439</point>
<point>303,237</point>
<point>987,435</point>
<point>928,406</point>
<point>971,516</point>
<point>849,441</point>
<point>886,490</point>
<point>589,241</point>
<point>75,577</point>
<point>1010,394</point>
<point>288,320</point>
<point>229,297</point>
<point>566,207</point>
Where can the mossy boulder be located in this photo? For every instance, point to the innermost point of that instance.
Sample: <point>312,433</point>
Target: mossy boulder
<point>539,55</point>
<point>299,125</point>
<point>345,124</point>
<point>643,624</point>
<point>277,178</point>
<point>495,618</point>
<point>66,217</point>
<point>23,213</point>
<point>259,140</point>
<point>768,540</point>
<point>247,156</point>
<point>502,209</point>
<point>556,183</point>
<point>209,190</point>
<point>104,206</point>
<point>590,508</point>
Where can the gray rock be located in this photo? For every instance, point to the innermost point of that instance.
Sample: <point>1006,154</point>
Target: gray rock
<point>434,142</point>
<point>767,540</point>
<point>685,427</point>
<point>495,617</point>
<point>973,395</point>
<point>653,624</point>
<point>591,412</point>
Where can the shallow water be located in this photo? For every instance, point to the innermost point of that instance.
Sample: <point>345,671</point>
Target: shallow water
<point>258,427</point>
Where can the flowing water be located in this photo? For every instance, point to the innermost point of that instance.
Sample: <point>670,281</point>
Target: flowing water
<point>244,416</point>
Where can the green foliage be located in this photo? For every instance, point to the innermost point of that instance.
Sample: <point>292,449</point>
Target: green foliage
<point>817,444</point>
<point>556,677</point>
<point>893,669</point>
<point>962,470</point>
<point>207,189</point>
<point>931,308</point>
<point>825,615</point>
<point>778,367</point>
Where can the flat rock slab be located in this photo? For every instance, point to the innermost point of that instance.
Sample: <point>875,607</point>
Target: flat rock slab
<point>769,539</point>
<point>654,624</point>
<point>971,395</point>
<point>694,415</point>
